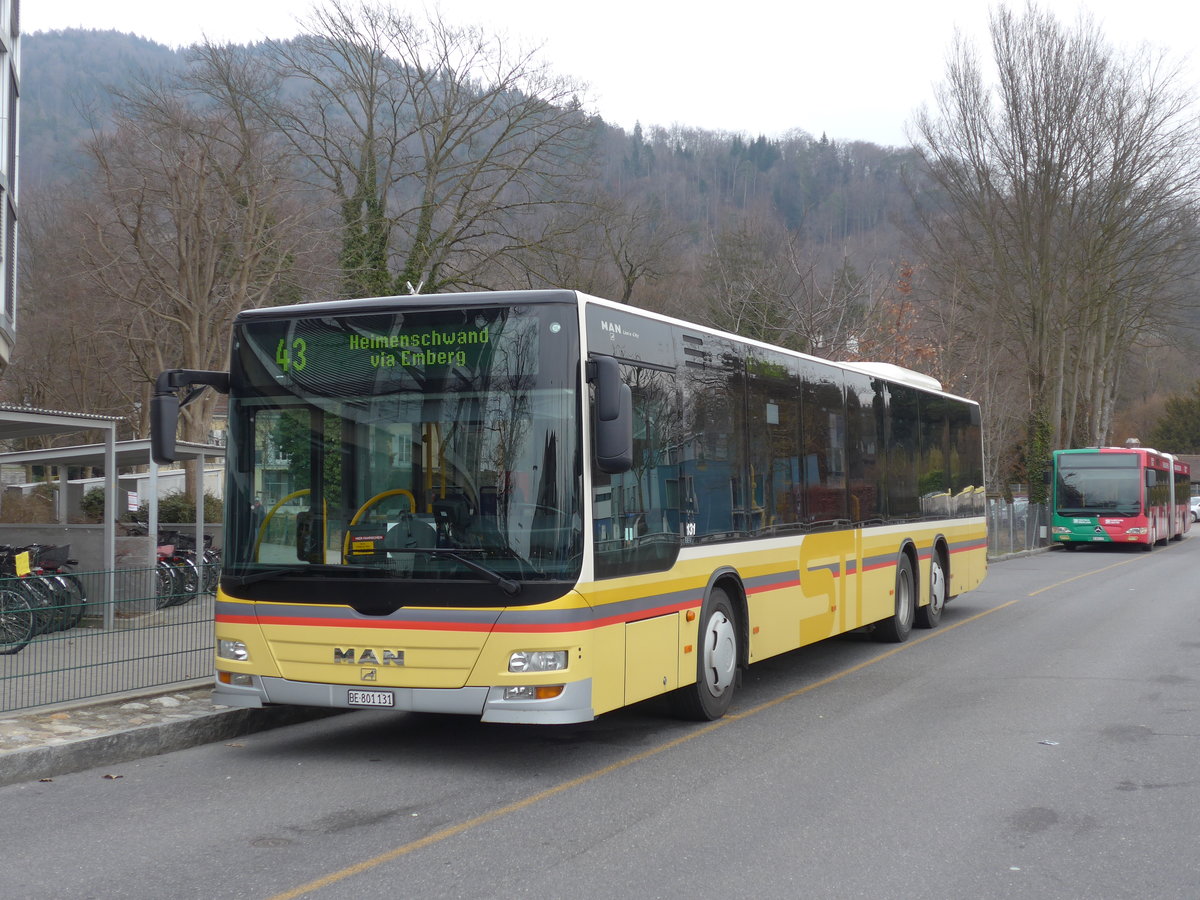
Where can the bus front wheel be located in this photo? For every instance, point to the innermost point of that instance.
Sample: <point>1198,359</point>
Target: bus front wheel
<point>895,629</point>
<point>716,662</point>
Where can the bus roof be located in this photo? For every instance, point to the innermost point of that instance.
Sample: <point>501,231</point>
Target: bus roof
<point>385,304</point>
<point>885,371</point>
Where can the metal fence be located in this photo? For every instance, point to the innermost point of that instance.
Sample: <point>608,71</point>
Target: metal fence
<point>1015,527</point>
<point>154,630</point>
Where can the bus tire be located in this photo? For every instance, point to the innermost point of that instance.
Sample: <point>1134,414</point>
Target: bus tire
<point>895,629</point>
<point>716,662</point>
<point>930,614</point>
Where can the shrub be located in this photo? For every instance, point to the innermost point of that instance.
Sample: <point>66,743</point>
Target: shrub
<point>92,505</point>
<point>178,509</point>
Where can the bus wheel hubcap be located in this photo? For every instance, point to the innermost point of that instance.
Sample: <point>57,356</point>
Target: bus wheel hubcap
<point>720,653</point>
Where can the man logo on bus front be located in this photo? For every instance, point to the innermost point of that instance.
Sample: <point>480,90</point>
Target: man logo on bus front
<point>368,657</point>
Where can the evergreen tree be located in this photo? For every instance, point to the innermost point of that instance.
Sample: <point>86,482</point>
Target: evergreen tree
<point>1178,431</point>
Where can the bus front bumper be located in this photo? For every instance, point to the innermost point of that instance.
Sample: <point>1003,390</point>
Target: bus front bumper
<point>573,705</point>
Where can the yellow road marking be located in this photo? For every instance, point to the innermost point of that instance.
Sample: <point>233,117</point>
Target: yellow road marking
<point>1051,587</point>
<point>453,830</point>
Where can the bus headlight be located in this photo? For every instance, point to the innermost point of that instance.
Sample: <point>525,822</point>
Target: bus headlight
<point>1060,529</point>
<point>1137,530</point>
<point>232,650</point>
<point>538,661</point>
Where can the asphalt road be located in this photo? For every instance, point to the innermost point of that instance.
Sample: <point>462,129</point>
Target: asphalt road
<point>1042,743</point>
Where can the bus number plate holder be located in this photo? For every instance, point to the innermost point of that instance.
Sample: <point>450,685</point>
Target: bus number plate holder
<point>371,698</point>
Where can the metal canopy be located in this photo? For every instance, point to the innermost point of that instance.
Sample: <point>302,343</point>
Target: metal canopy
<point>127,454</point>
<point>18,422</point>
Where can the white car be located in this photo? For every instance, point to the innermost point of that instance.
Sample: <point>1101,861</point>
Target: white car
<point>1194,505</point>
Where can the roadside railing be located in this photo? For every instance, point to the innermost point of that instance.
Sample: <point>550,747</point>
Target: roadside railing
<point>1015,527</point>
<point>62,639</point>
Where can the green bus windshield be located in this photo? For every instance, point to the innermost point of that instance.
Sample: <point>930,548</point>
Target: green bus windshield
<point>1098,484</point>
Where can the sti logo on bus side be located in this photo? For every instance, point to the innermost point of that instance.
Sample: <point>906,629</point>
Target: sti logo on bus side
<point>368,657</point>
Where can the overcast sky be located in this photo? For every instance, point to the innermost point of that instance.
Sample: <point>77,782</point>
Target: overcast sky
<point>851,70</point>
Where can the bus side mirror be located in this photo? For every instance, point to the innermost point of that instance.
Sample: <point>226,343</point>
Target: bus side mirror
<point>164,420</point>
<point>614,416</point>
<point>165,405</point>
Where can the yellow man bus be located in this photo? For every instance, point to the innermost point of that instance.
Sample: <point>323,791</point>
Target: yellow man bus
<point>540,506</point>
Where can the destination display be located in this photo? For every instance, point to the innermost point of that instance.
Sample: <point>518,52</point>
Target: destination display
<point>363,353</point>
<point>420,348</point>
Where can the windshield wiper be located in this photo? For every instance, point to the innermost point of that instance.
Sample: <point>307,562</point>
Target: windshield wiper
<point>510,587</point>
<point>243,580</point>
<point>307,569</point>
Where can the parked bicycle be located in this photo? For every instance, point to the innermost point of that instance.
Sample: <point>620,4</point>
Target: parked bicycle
<point>43,597</point>
<point>180,574</point>
<point>207,562</point>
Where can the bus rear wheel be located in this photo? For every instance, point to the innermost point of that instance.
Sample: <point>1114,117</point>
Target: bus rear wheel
<point>895,629</point>
<point>930,614</point>
<point>716,662</point>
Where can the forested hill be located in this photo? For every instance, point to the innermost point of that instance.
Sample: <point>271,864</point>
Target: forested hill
<point>711,182</point>
<point>66,81</point>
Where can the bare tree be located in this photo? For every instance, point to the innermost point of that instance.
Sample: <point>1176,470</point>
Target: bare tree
<point>65,342</point>
<point>440,147</point>
<point>192,223</point>
<point>640,240</point>
<point>749,283</point>
<point>1059,210</point>
<point>764,284</point>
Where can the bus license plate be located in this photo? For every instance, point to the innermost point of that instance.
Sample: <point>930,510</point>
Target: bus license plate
<point>371,698</point>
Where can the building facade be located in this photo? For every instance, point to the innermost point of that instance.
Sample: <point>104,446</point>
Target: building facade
<point>10,91</point>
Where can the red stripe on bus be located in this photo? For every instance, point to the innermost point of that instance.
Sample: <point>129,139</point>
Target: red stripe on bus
<point>354,623</point>
<point>779,585</point>
<point>978,545</point>
<point>501,627</point>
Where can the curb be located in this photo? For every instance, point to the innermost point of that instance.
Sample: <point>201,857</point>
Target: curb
<point>37,763</point>
<point>1020,554</point>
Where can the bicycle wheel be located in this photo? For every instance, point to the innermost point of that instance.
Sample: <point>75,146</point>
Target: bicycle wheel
<point>71,591</point>
<point>77,588</point>
<point>62,603</point>
<point>187,580</point>
<point>192,575</point>
<point>17,622</point>
<point>212,571</point>
<point>167,584</point>
<point>41,600</point>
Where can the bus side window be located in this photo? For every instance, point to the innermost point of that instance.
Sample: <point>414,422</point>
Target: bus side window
<point>636,519</point>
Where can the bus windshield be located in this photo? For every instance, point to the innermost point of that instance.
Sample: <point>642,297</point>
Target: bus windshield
<point>423,445</point>
<point>1098,484</point>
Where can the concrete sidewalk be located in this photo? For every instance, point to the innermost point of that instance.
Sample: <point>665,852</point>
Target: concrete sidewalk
<point>44,743</point>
